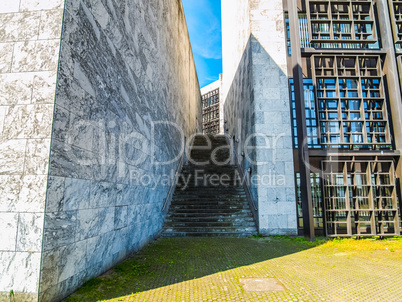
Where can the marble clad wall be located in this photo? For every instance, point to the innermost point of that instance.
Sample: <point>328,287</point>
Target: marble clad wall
<point>83,88</point>
<point>29,50</point>
<point>257,103</point>
<point>123,66</point>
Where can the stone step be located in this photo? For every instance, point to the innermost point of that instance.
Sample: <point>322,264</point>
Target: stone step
<point>201,186</point>
<point>196,215</point>
<point>180,202</point>
<point>190,166</point>
<point>209,207</point>
<point>211,234</point>
<point>180,219</point>
<point>207,191</point>
<point>217,224</point>
<point>212,229</point>
<point>213,196</point>
<point>211,211</point>
<point>200,208</point>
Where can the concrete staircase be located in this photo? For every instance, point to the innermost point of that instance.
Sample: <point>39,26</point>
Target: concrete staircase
<point>209,200</point>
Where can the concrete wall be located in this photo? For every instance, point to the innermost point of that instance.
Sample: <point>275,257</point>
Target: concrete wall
<point>235,36</point>
<point>29,51</point>
<point>89,149</point>
<point>257,108</point>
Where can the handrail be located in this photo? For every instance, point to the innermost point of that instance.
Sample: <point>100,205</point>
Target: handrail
<point>174,183</point>
<point>178,170</point>
<point>245,184</point>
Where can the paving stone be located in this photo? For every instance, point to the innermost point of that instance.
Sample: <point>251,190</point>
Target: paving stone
<point>215,269</point>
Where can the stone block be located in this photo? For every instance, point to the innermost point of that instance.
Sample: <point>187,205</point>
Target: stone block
<point>43,91</point>
<point>50,269</point>
<point>99,248</point>
<point>19,26</point>
<point>7,6</point>
<point>8,227</point>
<point>21,272</point>
<point>77,194</point>
<point>120,218</point>
<point>3,112</point>
<point>55,194</point>
<point>12,156</point>
<point>28,121</point>
<point>32,5</point>
<point>16,88</point>
<point>72,260</point>
<point>6,56</point>
<point>30,230</point>
<point>36,56</point>
<point>37,156</point>
<point>103,195</point>
<point>93,222</point>
<point>50,27</point>
<point>22,193</point>
<point>60,229</point>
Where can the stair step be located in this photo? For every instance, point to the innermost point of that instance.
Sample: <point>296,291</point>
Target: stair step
<point>196,215</point>
<point>200,208</point>
<point>209,207</point>
<point>212,234</point>
<point>197,224</point>
<point>179,202</point>
<point>210,219</point>
<point>210,211</point>
<point>212,229</point>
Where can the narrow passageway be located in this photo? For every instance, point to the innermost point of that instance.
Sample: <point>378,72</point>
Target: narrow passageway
<point>209,200</point>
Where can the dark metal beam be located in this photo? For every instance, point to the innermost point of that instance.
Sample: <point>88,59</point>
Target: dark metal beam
<point>346,153</point>
<point>391,73</point>
<point>304,161</point>
<point>307,52</point>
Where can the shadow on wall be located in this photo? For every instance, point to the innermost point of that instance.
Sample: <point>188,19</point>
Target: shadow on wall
<point>172,261</point>
<point>257,111</point>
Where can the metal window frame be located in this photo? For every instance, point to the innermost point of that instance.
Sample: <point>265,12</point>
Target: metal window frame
<point>377,222</point>
<point>396,34</point>
<point>329,20</point>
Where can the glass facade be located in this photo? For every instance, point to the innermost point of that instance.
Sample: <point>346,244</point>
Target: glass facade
<point>353,157</point>
<point>210,112</point>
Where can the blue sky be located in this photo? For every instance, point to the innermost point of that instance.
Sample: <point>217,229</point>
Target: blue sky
<point>204,25</point>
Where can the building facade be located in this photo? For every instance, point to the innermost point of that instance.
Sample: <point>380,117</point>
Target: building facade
<point>343,68</point>
<point>212,108</point>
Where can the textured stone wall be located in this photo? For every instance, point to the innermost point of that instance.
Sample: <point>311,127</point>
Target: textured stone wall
<point>29,51</point>
<point>84,87</point>
<point>261,83</point>
<point>235,36</point>
<point>123,66</point>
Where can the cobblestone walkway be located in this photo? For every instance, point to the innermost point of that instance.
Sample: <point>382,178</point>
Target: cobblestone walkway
<point>190,269</point>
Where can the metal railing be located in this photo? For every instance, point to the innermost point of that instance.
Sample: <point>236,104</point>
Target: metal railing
<point>175,180</point>
<point>183,159</point>
<point>243,178</point>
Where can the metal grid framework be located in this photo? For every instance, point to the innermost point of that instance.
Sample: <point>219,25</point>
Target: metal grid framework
<point>351,101</point>
<point>210,112</point>
<point>360,198</point>
<point>311,114</point>
<point>317,202</point>
<point>399,62</point>
<point>341,22</point>
<point>395,7</point>
<point>335,46</point>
